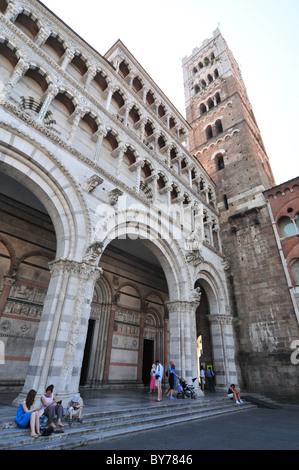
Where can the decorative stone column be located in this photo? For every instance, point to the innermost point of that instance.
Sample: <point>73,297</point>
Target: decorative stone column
<point>77,115</point>
<point>50,95</point>
<point>223,350</point>
<point>16,75</point>
<point>59,344</point>
<point>182,338</point>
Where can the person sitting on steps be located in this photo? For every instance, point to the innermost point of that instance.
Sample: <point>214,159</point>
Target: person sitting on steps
<point>233,393</point>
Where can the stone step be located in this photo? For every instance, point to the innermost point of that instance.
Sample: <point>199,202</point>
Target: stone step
<point>106,425</point>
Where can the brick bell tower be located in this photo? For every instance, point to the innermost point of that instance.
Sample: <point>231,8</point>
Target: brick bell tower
<point>226,140</point>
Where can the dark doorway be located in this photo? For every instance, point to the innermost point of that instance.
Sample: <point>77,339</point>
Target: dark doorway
<point>148,359</point>
<point>203,328</point>
<point>87,350</point>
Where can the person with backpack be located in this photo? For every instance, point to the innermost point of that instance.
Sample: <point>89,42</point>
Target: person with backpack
<point>210,377</point>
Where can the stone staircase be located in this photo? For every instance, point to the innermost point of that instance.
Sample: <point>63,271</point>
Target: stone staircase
<point>110,424</point>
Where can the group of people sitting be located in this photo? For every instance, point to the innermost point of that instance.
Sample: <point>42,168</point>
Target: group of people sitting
<point>50,406</point>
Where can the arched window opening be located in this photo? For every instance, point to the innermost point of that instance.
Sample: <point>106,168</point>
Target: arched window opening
<point>55,44</point>
<point>161,142</point>
<point>172,123</point>
<point>286,227</point>
<point>79,64</point>
<point>216,73</point>
<point>194,70</point>
<point>27,24</point>
<point>8,53</point>
<point>150,99</point>
<point>209,132</point>
<point>220,162</point>
<point>134,114</point>
<point>200,65</point>
<point>210,78</point>
<point>137,84</point>
<point>218,99</point>
<point>123,69</point>
<point>91,122</point>
<point>174,192</point>
<point>3,5</point>
<point>218,127</point>
<point>148,129</point>
<point>203,109</point>
<point>211,103</point>
<point>146,170</point>
<point>101,81</point>
<point>161,111</point>
<point>38,77</point>
<point>118,99</point>
<point>66,101</point>
<point>173,153</point>
<point>129,156</point>
<point>161,181</point>
<point>184,163</point>
<point>111,141</point>
<point>196,89</point>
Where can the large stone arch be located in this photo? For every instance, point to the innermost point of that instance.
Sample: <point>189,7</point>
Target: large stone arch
<point>180,309</point>
<point>44,175</point>
<point>59,342</point>
<point>166,248</point>
<point>220,323</point>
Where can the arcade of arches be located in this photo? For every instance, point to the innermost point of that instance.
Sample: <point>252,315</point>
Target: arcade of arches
<point>128,327</point>
<point>127,324</point>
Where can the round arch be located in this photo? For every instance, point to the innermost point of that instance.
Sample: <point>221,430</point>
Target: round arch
<point>44,175</point>
<point>165,248</point>
<point>216,322</point>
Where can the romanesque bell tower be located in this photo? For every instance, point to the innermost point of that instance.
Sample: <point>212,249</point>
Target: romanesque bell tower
<point>225,138</point>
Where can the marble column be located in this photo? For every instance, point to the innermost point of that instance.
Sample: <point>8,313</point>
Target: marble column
<point>223,350</point>
<point>59,344</point>
<point>182,338</point>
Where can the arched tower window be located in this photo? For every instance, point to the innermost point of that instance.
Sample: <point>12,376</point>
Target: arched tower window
<point>220,162</point>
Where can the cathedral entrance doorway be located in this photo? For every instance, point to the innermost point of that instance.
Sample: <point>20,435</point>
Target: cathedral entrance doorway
<point>203,333</point>
<point>148,359</point>
<point>129,317</point>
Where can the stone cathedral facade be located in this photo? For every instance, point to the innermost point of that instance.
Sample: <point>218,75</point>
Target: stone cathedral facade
<point>127,232</point>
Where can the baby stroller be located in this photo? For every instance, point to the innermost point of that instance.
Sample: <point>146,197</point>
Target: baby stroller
<point>185,390</point>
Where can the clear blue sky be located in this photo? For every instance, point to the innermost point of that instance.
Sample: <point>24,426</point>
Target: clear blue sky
<point>263,35</point>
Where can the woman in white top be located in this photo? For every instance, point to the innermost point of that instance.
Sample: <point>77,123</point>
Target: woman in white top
<point>52,407</point>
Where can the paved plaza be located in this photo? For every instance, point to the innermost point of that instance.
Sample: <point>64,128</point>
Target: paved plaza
<point>257,429</point>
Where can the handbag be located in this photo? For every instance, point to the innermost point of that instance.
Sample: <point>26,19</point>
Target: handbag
<point>157,376</point>
<point>47,431</point>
